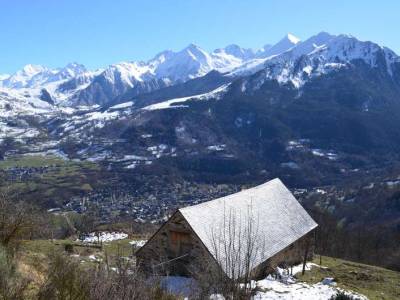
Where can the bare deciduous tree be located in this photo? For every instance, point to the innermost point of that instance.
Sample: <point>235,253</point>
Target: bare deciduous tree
<point>236,247</point>
<point>16,219</point>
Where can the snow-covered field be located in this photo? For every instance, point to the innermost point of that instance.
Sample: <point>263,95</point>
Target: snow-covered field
<point>104,236</point>
<point>276,289</point>
<point>270,288</point>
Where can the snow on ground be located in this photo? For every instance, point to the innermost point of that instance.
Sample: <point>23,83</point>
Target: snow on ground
<point>104,236</point>
<point>94,258</point>
<point>299,268</point>
<point>276,289</point>
<point>270,288</point>
<point>220,147</point>
<point>171,103</point>
<point>122,105</point>
<point>138,243</point>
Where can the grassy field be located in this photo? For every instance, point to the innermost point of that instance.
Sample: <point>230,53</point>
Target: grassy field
<point>31,161</point>
<point>34,256</point>
<point>114,249</point>
<point>373,282</point>
<point>60,180</point>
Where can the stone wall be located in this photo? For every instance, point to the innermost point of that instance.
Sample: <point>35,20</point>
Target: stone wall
<point>173,250</point>
<point>176,250</point>
<point>291,255</point>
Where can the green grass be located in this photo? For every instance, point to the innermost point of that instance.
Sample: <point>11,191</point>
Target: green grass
<point>119,248</point>
<point>31,161</point>
<point>63,180</point>
<point>33,249</point>
<point>373,282</point>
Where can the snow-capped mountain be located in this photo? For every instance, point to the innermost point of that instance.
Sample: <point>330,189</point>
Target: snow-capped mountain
<point>230,112</point>
<point>23,77</point>
<point>74,85</point>
<point>285,44</point>
<point>289,60</point>
<point>34,76</point>
<point>316,56</point>
<point>114,81</point>
<point>237,52</point>
<point>165,69</point>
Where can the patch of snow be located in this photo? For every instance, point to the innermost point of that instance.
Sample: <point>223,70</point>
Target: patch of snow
<point>103,236</point>
<point>122,105</point>
<point>138,243</point>
<point>275,289</point>
<point>220,147</point>
<point>327,154</point>
<point>320,191</point>
<point>131,166</point>
<point>392,183</point>
<point>291,165</point>
<point>133,157</point>
<point>369,186</point>
<point>215,94</point>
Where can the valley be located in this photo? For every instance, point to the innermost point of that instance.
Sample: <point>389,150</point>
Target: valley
<point>131,143</point>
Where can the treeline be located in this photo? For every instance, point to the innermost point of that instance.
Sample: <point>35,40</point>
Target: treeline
<point>375,245</point>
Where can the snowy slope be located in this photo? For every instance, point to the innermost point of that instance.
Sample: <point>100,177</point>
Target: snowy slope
<point>194,61</point>
<point>73,85</point>
<point>285,44</point>
<point>317,55</point>
<point>172,103</point>
<point>34,76</point>
<point>289,60</point>
<point>4,76</point>
<point>14,103</point>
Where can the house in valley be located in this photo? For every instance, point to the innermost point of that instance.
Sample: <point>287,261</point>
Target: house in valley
<point>248,233</point>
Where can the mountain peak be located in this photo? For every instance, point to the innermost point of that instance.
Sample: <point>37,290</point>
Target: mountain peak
<point>192,46</point>
<point>293,39</point>
<point>286,43</point>
<point>236,51</point>
<point>321,38</point>
<point>75,65</point>
<point>31,69</point>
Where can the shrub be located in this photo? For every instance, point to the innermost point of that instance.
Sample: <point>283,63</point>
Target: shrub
<point>12,284</point>
<point>65,280</point>
<point>342,296</point>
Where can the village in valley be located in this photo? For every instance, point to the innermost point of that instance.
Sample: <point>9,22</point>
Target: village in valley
<point>113,227</point>
<point>199,150</point>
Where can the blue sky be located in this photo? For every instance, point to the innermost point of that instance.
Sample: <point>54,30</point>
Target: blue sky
<point>99,32</point>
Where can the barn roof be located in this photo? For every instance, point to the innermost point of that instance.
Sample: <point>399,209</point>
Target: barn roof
<point>257,223</point>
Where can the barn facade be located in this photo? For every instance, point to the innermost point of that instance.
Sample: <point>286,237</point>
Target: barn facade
<point>249,232</point>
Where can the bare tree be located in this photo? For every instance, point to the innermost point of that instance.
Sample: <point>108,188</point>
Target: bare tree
<point>237,246</point>
<point>17,219</point>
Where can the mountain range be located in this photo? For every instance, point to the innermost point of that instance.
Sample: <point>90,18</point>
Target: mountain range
<point>330,101</point>
<point>74,84</point>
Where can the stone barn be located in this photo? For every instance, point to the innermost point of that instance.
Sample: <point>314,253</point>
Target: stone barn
<point>249,232</point>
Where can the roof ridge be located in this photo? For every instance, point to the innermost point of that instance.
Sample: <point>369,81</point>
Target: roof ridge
<point>244,191</point>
